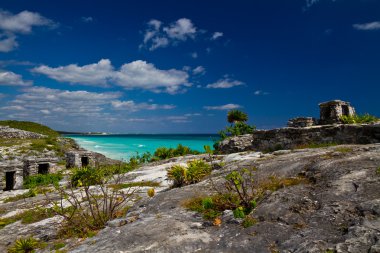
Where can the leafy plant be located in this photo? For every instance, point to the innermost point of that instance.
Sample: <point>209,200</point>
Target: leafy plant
<point>178,174</point>
<point>357,119</point>
<point>24,245</point>
<point>239,212</point>
<point>248,221</point>
<point>42,180</point>
<point>234,116</point>
<point>163,153</point>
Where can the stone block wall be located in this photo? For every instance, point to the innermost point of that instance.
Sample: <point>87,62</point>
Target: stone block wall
<point>302,122</point>
<point>289,138</point>
<point>16,167</point>
<point>74,158</point>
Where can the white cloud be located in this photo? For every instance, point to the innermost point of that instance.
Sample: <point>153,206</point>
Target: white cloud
<point>367,26</point>
<point>134,75</point>
<point>22,22</point>
<point>224,83</point>
<point>260,92</point>
<point>182,29</point>
<point>97,74</point>
<point>87,19</point>
<point>7,43</point>
<point>143,75</point>
<point>194,55</point>
<point>133,107</point>
<point>158,36</point>
<point>8,78</point>
<point>200,70</point>
<point>216,35</point>
<point>223,107</point>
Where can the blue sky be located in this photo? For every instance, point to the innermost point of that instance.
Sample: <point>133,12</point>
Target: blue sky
<point>179,66</point>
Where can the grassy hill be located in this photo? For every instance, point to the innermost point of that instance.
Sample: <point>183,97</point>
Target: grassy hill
<point>31,127</point>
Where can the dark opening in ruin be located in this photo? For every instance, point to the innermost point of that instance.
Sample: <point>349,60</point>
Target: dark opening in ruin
<point>43,168</point>
<point>326,113</point>
<point>9,180</point>
<point>345,110</point>
<point>85,161</point>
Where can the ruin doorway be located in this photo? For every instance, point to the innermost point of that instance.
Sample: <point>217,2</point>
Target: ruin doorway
<point>345,110</point>
<point>9,180</point>
<point>43,168</point>
<point>326,113</point>
<point>85,161</point>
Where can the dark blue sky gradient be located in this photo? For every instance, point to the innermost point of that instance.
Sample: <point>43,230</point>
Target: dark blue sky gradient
<point>297,56</point>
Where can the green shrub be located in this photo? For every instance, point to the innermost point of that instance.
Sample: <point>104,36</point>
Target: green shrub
<point>234,116</point>
<point>163,153</point>
<point>24,245</point>
<point>239,212</point>
<point>248,221</point>
<point>87,176</point>
<point>197,170</point>
<point>207,203</point>
<point>358,119</point>
<point>42,180</point>
<point>177,174</point>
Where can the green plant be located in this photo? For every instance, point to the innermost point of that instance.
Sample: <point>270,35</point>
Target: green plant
<point>24,245</point>
<point>178,174</point>
<point>239,212</point>
<point>134,184</point>
<point>163,153</point>
<point>58,245</point>
<point>358,119</point>
<point>234,116</point>
<point>378,171</point>
<point>248,221</point>
<point>42,180</point>
<point>150,192</point>
<point>30,126</point>
<point>207,203</point>
<point>197,170</point>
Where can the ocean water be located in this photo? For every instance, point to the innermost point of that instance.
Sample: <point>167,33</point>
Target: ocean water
<point>122,147</point>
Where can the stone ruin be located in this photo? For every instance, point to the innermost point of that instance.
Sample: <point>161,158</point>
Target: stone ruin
<point>79,159</point>
<point>12,173</point>
<point>330,113</point>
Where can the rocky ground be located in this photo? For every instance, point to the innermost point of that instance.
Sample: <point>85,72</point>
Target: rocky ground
<point>338,209</point>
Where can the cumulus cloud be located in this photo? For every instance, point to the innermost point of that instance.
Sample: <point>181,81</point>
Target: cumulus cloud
<point>8,78</point>
<point>21,23</point>
<point>158,36</point>
<point>131,106</point>
<point>134,75</point>
<point>224,83</point>
<point>200,70</point>
<point>223,107</point>
<point>7,43</point>
<point>367,26</point>
<point>97,74</point>
<point>216,35</point>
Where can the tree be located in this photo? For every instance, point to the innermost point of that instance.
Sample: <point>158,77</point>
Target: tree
<point>234,116</point>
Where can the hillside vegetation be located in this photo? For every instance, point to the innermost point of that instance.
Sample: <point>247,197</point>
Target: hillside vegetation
<point>31,127</point>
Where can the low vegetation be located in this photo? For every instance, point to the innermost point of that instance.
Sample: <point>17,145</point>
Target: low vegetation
<point>238,126</point>
<point>24,245</point>
<point>317,145</point>
<point>358,119</point>
<point>31,127</point>
<point>241,194</point>
<point>134,184</point>
<point>163,153</point>
<point>35,181</point>
<point>28,216</point>
<point>91,207</point>
<point>195,171</point>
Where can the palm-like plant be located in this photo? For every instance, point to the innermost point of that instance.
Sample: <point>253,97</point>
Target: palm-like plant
<point>234,116</point>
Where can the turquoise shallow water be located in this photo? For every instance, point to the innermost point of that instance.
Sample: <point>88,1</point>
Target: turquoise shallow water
<point>124,146</point>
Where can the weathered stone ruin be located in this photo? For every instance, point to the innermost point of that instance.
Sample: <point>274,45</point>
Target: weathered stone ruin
<point>7,132</point>
<point>331,111</point>
<point>80,158</point>
<point>302,122</point>
<point>303,131</point>
<point>11,175</point>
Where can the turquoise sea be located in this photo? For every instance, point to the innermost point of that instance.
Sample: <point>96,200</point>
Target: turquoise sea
<point>127,145</point>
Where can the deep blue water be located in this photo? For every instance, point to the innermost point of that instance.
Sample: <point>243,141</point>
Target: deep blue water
<point>125,146</point>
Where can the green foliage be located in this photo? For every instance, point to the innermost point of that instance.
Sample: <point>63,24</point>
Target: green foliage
<point>196,170</point>
<point>58,245</point>
<point>163,153</point>
<point>34,181</point>
<point>234,116</point>
<point>134,184</point>
<point>239,212</point>
<point>29,194</point>
<point>248,221</point>
<point>24,245</point>
<point>28,216</point>
<point>378,171</point>
<point>86,176</point>
<point>31,127</point>
<point>358,119</point>
<point>317,145</point>
<point>207,203</point>
<point>178,174</point>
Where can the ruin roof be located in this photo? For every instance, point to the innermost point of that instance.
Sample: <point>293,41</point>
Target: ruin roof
<point>334,102</point>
